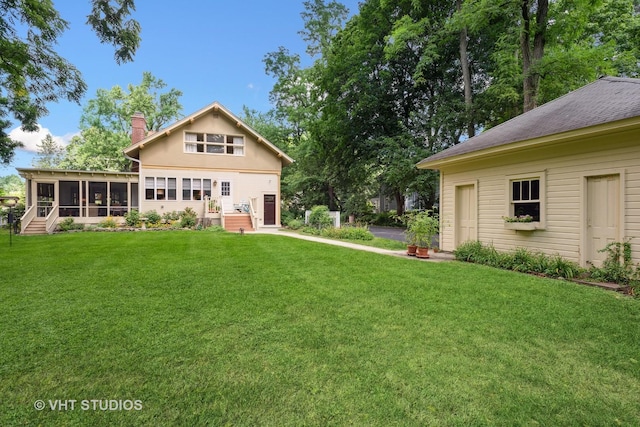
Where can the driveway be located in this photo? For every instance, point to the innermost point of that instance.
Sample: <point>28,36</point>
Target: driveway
<point>394,233</point>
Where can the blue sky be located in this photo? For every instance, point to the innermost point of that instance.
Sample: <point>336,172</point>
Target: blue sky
<point>211,50</point>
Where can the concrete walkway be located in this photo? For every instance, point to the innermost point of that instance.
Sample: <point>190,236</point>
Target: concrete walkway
<point>439,256</point>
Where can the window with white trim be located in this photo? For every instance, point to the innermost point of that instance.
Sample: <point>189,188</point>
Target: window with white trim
<point>195,188</point>
<point>213,143</point>
<point>525,198</point>
<point>159,188</point>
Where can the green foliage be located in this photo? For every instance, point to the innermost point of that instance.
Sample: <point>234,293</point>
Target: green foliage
<point>106,123</point>
<point>108,222</point>
<point>319,217</point>
<point>153,217</point>
<point>387,219</point>
<point>132,218</point>
<point>295,224</point>
<point>169,217</point>
<point>50,153</point>
<point>33,75</point>
<point>188,218</point>
<point>347,233</point>
<point>522,260</point>
<point>618,267</point>
<point>68,224</point>
<point>422,227</point>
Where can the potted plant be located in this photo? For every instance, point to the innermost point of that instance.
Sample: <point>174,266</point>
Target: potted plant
<point>424,226</point>
<point>410,238</point>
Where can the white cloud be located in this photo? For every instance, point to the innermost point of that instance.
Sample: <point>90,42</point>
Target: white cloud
<point>32,139</point>
<point>250,86</point>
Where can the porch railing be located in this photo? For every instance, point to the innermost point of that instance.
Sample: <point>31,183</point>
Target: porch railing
<point>222,210</point>
<point>51,218</point>
<point>28,216</point>
<point>253,201</point>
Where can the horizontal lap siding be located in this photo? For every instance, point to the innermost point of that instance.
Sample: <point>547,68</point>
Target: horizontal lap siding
<point>564,184</point>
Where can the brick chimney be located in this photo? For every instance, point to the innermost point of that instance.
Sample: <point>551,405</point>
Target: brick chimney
<point>138,127</point>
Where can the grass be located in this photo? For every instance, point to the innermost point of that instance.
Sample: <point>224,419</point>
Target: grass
<point>376,242</point>
<point>221,329</point>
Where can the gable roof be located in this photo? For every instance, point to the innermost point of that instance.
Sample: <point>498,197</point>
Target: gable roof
<point>606,100</point>
<point>216,107</point>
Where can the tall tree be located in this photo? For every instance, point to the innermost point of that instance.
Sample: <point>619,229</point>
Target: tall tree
<point>50,153</point>
<point>32,74</point>
<point>106,123</point>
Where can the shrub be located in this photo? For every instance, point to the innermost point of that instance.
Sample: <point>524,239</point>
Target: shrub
<point>108,222</point>
<point>69,224</point>
<point>295,224</point>
<point>387,219</point>
<point>521,260</point>
<point>188,218</point>
<point>347,233</point>
<point>320,218</point>
<point>132,218</point>
<point>618,266</point>
<point>153,217</point>
<point>469,251</point>
<point>168,217</point>
<point>216,229</point>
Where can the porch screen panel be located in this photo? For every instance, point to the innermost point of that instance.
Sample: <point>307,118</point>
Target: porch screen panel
<point>119,199</point>
<point>69,198</point>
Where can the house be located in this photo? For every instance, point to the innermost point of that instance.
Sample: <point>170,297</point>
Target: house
<point>572,165</point>
<point>210,161</point>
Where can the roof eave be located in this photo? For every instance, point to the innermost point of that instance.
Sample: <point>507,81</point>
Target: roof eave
<point>514,147</point>
<point>216,106</point>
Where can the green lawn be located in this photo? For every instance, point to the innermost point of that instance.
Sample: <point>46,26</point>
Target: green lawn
<point>220,329</point>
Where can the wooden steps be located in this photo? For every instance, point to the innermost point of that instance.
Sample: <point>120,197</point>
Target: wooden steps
<point>36,226</point>
<point>233,222</point>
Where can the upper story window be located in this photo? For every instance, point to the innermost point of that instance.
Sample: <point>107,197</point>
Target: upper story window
<point>213,143</point>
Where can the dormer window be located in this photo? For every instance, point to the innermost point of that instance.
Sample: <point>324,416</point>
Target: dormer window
<point>213,143</point>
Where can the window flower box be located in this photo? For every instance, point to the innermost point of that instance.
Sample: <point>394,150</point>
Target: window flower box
<point>526,226</point>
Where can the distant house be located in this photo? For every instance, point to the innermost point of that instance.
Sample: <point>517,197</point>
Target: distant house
<point>572,165</point>
<point>210,162</point>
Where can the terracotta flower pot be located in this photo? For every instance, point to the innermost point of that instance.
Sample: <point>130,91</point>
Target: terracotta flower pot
<point>411,250</point>
<point>422,252</point>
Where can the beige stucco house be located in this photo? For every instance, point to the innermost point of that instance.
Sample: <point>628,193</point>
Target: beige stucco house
<point>209,161</point>
<point>572,164</point>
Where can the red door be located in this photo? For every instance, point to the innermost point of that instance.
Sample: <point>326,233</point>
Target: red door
<point>269,209</point>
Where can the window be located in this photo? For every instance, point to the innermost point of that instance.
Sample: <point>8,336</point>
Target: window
<point>171,189</point>
<point>186,189</point>
<point>213,143</point>
<point>196,188</point>
<point>525,198</point>
<point>159,188</point>
<point>225,188</point>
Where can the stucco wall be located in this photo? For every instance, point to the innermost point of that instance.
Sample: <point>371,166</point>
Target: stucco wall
<point>168,150</point>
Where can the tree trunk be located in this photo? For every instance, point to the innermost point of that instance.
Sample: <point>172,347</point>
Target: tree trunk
<point>531,57</point>
<point>400,203</point>
<point>466,77</point>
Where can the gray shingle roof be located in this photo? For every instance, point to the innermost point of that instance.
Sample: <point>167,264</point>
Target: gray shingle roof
<point>606,100</point>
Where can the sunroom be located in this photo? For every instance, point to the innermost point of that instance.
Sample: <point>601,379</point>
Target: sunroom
<point>86,196</point>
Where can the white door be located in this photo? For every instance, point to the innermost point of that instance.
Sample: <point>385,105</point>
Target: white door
<point>465,214</point>
<point>603,215</point>
<point>225,196</point>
